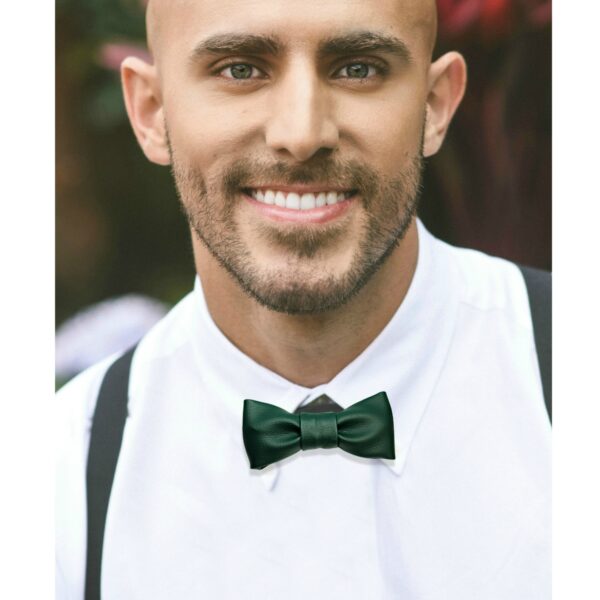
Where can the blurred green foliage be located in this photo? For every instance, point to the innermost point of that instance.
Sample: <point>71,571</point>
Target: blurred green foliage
<point>119,227</point>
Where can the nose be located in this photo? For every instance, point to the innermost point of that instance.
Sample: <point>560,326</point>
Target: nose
<point>300,122</point>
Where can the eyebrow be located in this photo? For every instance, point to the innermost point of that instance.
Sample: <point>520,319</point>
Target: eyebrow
<point>365,41</point>
<point>236,43</point>
<point>256,44</point>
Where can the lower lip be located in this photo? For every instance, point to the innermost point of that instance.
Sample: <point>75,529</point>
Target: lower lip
<point>322,214</point>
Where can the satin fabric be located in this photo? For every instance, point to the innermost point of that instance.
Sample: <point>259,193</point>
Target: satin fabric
<point>364,429</point>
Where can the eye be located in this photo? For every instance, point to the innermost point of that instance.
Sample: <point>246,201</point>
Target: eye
<point>358,70</point>
<point>240,71</point>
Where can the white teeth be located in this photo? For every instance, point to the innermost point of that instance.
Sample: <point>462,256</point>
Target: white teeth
<point>307,201</point>
<point>292,200</point>
<point>296,201</point>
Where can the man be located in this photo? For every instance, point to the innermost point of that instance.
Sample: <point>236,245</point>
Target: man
<point>296,131</point>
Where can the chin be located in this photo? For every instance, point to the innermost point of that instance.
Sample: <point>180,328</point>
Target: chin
<point>297,295</point>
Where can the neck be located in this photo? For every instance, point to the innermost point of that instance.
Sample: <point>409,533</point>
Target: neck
<point>308,350</point>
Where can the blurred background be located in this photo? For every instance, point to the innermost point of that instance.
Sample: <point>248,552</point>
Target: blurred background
<point>123,254</point>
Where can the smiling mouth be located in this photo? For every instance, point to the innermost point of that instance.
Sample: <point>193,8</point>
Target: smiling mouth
<point>298,199</point>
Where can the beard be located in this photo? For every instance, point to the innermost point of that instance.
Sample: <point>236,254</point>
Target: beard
<point>304,286</point>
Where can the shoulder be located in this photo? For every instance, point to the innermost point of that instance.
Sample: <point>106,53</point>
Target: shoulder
<point>506,309</point>
<point>76,401</point>
<point>74,407</point>
<point>492,284</point>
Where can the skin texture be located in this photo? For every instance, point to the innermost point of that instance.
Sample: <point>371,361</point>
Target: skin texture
<point>301,298</point>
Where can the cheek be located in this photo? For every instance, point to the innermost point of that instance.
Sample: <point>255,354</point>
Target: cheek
<point>204,131</point>
<point>400,144</point>
<point>387,131</point>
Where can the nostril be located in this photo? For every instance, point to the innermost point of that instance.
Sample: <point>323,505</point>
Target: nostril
<point>302,138</point>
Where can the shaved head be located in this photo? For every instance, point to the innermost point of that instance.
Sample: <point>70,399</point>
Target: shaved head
<point>152,21</point>
<point>421,14</point>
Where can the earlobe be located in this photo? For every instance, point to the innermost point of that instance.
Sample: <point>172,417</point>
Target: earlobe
<point>447,83</point>
<point>144,108</point>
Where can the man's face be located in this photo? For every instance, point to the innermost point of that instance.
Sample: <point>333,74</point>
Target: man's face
<point>295,131</point>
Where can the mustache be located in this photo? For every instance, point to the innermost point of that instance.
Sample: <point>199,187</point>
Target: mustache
<point>349,174</point>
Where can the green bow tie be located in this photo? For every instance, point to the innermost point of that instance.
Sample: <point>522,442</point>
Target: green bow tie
<point>364,429</point>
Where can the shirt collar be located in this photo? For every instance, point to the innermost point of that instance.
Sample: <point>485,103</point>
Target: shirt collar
<point>404,360</point>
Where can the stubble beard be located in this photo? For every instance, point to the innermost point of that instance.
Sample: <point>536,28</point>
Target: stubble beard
<point>302,287</point>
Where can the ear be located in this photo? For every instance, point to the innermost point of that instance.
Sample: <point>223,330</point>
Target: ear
<point>447,81</point>
<point>144,107</point>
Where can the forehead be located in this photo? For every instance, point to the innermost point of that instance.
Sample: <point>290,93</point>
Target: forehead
<point>178,25</point>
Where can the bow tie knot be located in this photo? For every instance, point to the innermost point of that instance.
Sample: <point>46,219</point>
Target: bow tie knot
<point>364,429</point>
<point>318,430</point>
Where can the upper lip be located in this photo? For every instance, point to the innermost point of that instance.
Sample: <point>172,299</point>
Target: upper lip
<point>300,188</point>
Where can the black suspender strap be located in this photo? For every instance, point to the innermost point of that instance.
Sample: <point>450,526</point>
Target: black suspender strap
<point>105,443</point>
<point>539,289</point>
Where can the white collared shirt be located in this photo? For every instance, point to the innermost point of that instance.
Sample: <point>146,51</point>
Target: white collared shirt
<point>462,513</point>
